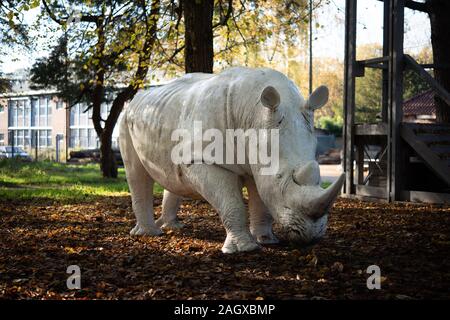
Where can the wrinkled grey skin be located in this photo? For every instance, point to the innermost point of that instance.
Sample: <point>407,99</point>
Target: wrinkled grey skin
<point>237,98</point>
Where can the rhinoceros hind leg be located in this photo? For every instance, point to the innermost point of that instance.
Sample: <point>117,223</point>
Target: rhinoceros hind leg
<point>223,190</point>
<point>260,219</point>
<point>170,206</point>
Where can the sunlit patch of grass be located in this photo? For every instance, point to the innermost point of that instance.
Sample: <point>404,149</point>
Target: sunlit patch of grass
<point>58,181</point>
<point>325,184</point>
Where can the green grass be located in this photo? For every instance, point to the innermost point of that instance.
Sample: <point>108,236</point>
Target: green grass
<point>58,182</point>
<point>45,180</point>
<point>325,184</point>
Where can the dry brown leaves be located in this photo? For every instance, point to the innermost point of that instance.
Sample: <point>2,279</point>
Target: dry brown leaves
<point>410,243</point>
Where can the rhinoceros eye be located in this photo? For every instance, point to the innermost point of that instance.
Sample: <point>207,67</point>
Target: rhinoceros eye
<point>281,120</point>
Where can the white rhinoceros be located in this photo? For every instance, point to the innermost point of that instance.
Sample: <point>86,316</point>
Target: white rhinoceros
<point>238,98</point>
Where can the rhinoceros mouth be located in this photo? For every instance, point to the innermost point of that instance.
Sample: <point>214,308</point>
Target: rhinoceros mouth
<point>296,237</point>
<point>300,229</point>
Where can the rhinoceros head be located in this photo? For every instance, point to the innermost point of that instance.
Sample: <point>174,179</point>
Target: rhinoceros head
<point>293,195</point>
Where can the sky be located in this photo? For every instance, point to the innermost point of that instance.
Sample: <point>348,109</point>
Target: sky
<point>328,39</point>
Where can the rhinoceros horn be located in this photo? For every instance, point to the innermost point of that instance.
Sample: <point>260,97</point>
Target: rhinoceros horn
<point>321,203</point>
<point>308,174</point>
<point>320,200</point>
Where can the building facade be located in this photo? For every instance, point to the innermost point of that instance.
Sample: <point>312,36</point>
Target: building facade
<point>42,124</point>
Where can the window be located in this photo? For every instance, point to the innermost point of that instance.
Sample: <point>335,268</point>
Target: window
<point>74,115</point>
<point>84,121</point>
<point>92,136</point>
<point>49,113</point>
<point>49,138</point>
<point>2,139</point>
<point>26,138</point>
<point>42,138</point>
<point>20,112</point>
<point>12,116</point>
<point>74,138</point>
<point>79,117</point>
<point>19,136</point>
<point>42,112</point>
<point>82,133</point>
<point>83,138</point>
<point>27,113</point>
<point>33,138</point>
<point>2,108</point>
<point>34,112</point>
<point>45,138</point>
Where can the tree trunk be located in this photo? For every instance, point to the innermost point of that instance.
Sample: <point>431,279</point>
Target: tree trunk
<point>439,13</point>
<point>107,159</point>
<point>199,51</point>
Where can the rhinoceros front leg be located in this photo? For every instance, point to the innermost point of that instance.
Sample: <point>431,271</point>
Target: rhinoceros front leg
<point>141,187</point>
<point>223,190</point>
<point>261,220</point>
<point>170,205</point>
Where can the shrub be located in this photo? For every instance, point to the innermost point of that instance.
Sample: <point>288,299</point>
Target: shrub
<point>331,124</point>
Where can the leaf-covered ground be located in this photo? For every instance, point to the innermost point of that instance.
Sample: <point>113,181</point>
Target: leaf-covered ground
<point>410,243</point>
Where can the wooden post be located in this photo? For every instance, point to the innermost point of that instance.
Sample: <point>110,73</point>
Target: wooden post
<point>360,162</point>
<point>36,139</point>
<point>310,48</point>
<point>385,72</point>
<point>12,143</point>
<point>395,114</point>
<point>349,93</point>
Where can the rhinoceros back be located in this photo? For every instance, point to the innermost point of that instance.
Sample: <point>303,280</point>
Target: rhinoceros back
<point>220,101</point>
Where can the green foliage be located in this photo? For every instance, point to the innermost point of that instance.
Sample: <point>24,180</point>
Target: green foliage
<point>13,30</point>
<point>58,71</point>
<point>325,184</point>
<point>58,182</point>
<point>100,49</point>
<point>260,31</point>
<point>368,96</point>
<point>5,84</point>
<point>413,84</point>
<point>331,124</point>
<point>369,88</point>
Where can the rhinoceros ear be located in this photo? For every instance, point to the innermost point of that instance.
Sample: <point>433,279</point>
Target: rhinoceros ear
<point>317,99</point>
<point>270,98</point>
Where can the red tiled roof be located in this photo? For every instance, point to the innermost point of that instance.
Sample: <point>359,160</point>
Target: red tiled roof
<point>422,104</point>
